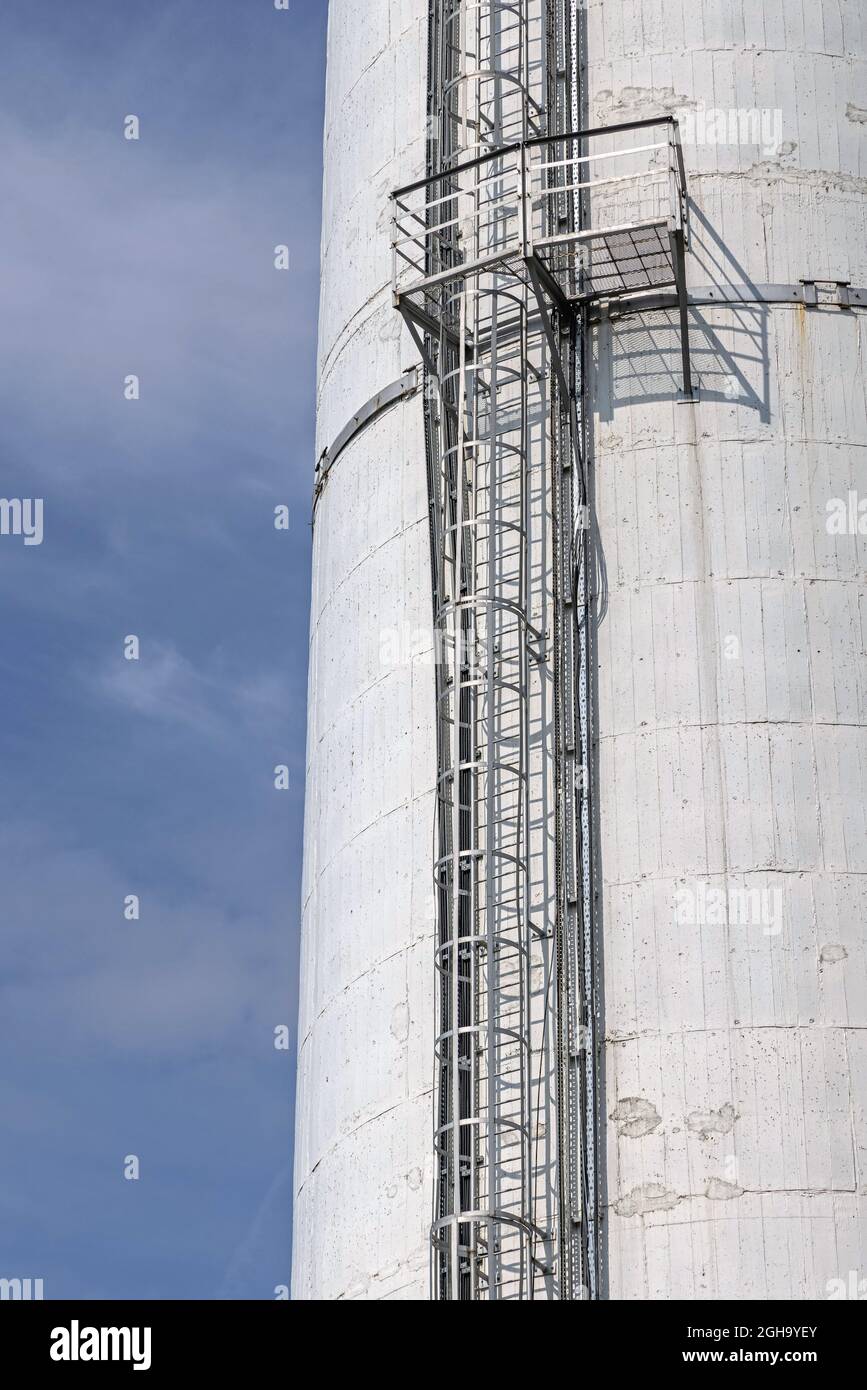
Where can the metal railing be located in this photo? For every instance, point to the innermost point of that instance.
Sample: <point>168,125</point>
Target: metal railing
<point>494,253</point>
<point>481,356</point>
<point>499,208</point>
<point>482,873</point>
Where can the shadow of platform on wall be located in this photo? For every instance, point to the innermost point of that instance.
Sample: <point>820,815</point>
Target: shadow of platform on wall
<point>637,358</point>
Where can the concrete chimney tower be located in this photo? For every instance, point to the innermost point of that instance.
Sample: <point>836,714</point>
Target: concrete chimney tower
<point>583,994</point>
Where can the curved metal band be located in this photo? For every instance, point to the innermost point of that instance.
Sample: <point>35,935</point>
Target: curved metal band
<point>399,390</point>
<point>813,294</point>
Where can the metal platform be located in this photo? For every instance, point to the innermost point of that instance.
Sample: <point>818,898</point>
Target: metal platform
<point>500,212</point>
<point>497,256</point>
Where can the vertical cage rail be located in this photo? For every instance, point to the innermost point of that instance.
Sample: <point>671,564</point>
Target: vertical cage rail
<point>482,1226</point>
<point>588,989</point>
<point>566,493</point>
<point>499,254</point>
<point>476,346</point>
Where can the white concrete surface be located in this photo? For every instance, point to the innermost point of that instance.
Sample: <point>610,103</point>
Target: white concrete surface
<point>363,1149</point>
<point>733,681</point>
<point>732,689</point>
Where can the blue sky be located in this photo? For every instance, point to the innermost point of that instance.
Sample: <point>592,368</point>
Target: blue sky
<point>155,777</point>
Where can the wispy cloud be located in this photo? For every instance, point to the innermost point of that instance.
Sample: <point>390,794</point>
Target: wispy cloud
<point>152,777</point>
<point>165,272</point>
<point>165,685</point>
